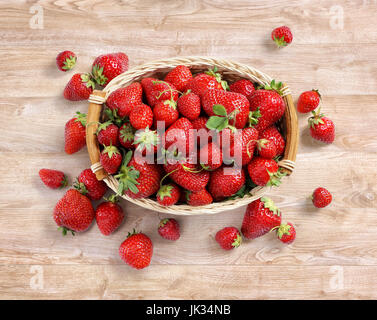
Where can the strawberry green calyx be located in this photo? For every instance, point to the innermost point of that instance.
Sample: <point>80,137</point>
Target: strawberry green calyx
<point>103,126</point>
<point>146,139</point>
<point>165,191</point>
<point>274,86</point>
<point>64,182</point>
<point>213,72</point>
<point>261,144</point>
<point>317,91</point>
<point>81,117</point>
<point>80,187</point>
<point>237,242</point>
<point>254,117</point>
<point>110,150</point>
<point>275,178</point>
<point>163,222</point>
<point>88,80</point>
<point>221,119</point>
<point>64,231</point>
<point>69,63</point>
<point>316,118</point>
<point>269,204</point>
<point>280,42</point>
<point>127,133</point>
<point>132,233</point>
<point>127,176</point>
<point>98,75</point>
<point>283,229</point>
<point>113,116</point>
<point>113,198</point>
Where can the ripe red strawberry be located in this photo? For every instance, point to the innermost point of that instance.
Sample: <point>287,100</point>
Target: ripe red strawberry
<point>266,148</point>
<point>201,131</point>
<point>109,216</point>
<point>166,112</point>
<point>179,77</point>
<point>88,184</point>
<point>206,81</point>
<point>107,66</point>
<point>75,133</point>
<point>189,176</point>
<point>273,134</point>
<point>321,127</point>
<point>261,216</point>
<point>264,172</point>
<point>53,179</point>
<point>107,134</point>
<point>180,135</point>
<point>321,197</point>
<point>79,87</point>
<point>225,182</point>
<point>136,250</point>
<point>210,156</point>
<point>189,105</point>
<point>200,123</point>
<point>73,212</point>
<point>245,87</point>
<point>137,178</point>
<point>242,150</point>
<point>66,60</point>
<point>156,90</point>
<point>168,194</point>
<point>286,233</point>
<point>141,117</point>
<point>169,229</point>
<point>198,198</point>
<point>308,101</point>
<point>236,107</point>
<point>127,135</point>
<point>270,105</point>
<point>282,36</point>
<point>229,238</point>
<point>123,100</point>
<point>111,159</point>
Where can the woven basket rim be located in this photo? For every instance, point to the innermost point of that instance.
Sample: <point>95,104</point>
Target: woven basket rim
<point>224,66</point>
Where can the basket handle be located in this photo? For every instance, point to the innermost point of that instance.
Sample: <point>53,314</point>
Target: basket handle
<point>94,113</point>
<point>292,137</point>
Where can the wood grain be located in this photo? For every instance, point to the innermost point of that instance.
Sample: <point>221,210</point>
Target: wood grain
<point>338,239</point>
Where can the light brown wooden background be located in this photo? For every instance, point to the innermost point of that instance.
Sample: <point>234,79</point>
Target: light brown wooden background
<point>331,243</point>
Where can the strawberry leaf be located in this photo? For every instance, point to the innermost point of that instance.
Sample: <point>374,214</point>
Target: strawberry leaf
<point>219,110</point>
<point>217,123</point>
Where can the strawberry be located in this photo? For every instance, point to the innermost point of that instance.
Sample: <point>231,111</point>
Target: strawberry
<point>88,184</point>
<point>260,217</point>
<point>187,175</point>
<point>180,135</point>
<point>282,36</point>
<point>245,87</point>
<point>136,250</point>
<point>229,238</point>
<point>210,157</point>
<point>264,172</point>
<point>198,198</point>
<point>157,90</point>
<point>225,182</point>
<point>266,148</point>
<point>225,108</point>
<point>79,87</point>
<point>110,159</point>
<point>166,112</point>
<point>123,100</point>
<point>127,135</point>
<point>109,216</point>
<point>75,133</point>
<point>269,104</point>
<point>66,60</point>
<point>189,105</point>
<point>168,194</point>
<point>286,233</point>
<point>206,81</point>
<point>73,212</point>
<point>137,178</point>
<point>201,130</point>
<point>107,66</point>
<point>200,123</point>
<point>179,77</point>
<point>273,134</point>
<point>147,140</point>
<point>321,197</point>
<point>141,117</point>
<point>53,179</point>
<point>107,134</point>
<point>243,147</point>
<point>321,127</point>
<point>169,229</point>
<point>308,101</point>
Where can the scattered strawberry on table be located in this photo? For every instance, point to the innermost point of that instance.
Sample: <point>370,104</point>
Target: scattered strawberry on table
<point>53,179</point>
<point>229,238</point>
<point>286,233</point>
<point>66,60</point>
<point>321,197</point>
<point>109,215</point>
<point>169,229</point>
<point>321,128</point>
<point>136,250</point>
<point>282,36</point>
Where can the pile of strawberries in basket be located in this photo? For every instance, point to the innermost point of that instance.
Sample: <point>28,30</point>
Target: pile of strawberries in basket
<point>183,139</point>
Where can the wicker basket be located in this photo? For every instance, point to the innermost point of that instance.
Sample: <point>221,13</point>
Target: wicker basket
<point>231,71</point>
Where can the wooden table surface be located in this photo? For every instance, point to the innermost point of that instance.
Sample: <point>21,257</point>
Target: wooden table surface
<point>334,50</point>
